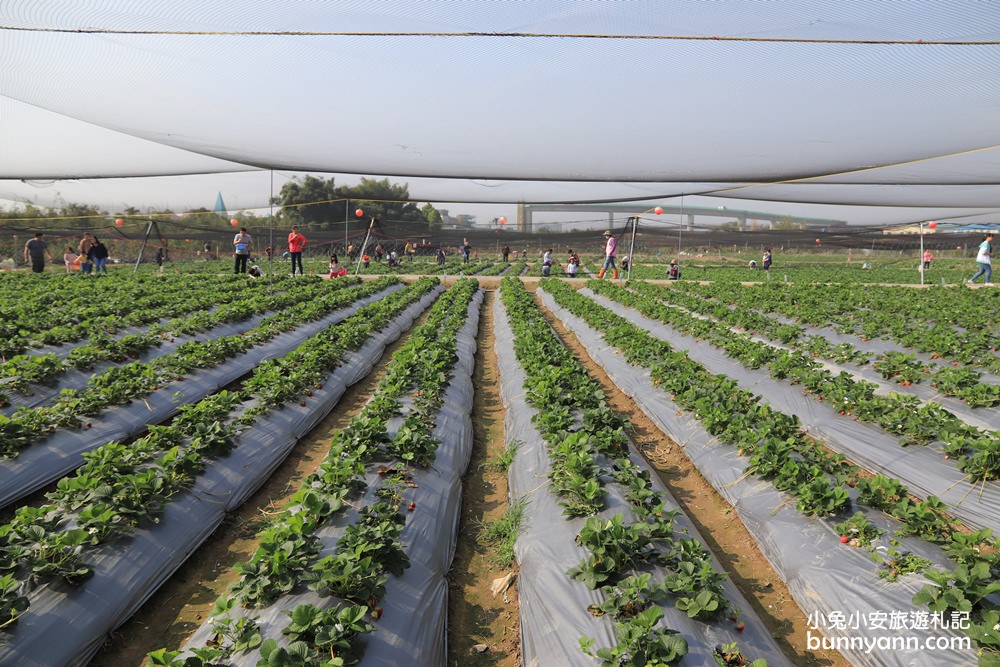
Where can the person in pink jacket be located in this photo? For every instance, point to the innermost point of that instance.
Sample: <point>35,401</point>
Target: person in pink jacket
<point>610,252</point>
<point>296,242</point>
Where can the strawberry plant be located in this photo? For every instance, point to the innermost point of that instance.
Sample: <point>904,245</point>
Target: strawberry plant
<point>859,530</point>
<point>641,641</point>
<point>614,547</point>
<point>12,603</point>
<point>729,655</point>
<point>629,597</point>
<point>331,631</point>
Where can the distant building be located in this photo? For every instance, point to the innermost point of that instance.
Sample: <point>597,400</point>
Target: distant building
<point>906,229</point>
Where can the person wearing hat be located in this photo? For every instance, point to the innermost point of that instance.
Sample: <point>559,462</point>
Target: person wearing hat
<point>610,252</point>
<point>673,271</point>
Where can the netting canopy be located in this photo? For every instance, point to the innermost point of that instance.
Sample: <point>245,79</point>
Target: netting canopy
<point>890,103</point>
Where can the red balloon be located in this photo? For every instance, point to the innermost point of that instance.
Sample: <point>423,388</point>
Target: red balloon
<point>359,213</point>
<point>119,222</point>
<point>503,221</point>
<point>932,224</point>
<point>234,222</point>
<point>817,240</point>
<point>658,210</point>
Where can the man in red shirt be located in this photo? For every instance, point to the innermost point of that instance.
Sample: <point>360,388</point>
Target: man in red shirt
<point>296,242</point>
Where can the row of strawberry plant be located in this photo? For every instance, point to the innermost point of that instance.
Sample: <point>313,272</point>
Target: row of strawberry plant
<point>780,452</point>
<point>586,443</point>
<point>20,371</point>
<point>41,465</point>
<point>47,314</point>
<point>975,451</point>
<point>957,325</point>
<point>841,390</point>
<point>119,385</point>
<point>963,383</point>
<point>121,488</point>
<point>357,569</point>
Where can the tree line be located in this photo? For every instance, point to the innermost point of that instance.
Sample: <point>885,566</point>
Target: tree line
<point>311,202</point>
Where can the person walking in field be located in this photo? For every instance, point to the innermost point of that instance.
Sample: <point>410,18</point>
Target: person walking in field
<point>765,260</point>
<point>928,258</point>
<point>242,244</point>
<point>610,252</point>
<point>983,260</point>
<point>99,256</point>
<point>296,242</point>
<point>506,252</point>
<point>37,251</point>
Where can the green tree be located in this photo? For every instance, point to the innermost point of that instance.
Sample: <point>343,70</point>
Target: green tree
<point>432,216</point>
<point>787,225</point>
<point>312,203</point>
<point>386,201</point>
<point>80,216</point>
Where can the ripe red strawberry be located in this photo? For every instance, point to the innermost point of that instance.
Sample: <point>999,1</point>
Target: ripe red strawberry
<point>413,506</point>
<point>302,403</point>
<point>377,613</point>
<point>740,627</point>
<point>843,539</point>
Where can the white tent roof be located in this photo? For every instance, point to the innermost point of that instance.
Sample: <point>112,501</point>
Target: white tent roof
<point>889,103</point>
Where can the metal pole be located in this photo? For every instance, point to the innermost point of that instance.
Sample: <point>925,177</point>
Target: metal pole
<point>145,238</point>
<point>921,253</point>
<point>680,230</point>
<point>270,234</point>
<point>631,248</point>
<point>361,254</point>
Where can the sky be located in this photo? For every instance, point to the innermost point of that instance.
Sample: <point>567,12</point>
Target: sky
<point>804,107</point>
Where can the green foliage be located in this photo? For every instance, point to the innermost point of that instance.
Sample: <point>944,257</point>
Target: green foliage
<point>501,533</point>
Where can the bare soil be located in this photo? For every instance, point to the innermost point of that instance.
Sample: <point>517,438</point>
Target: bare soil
<point>484,630</point>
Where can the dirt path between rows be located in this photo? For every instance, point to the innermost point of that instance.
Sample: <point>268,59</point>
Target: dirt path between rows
<point>483,629</point>
<point>714,518</point>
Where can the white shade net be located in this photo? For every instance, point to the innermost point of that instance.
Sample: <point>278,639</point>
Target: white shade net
<point>859,103</point>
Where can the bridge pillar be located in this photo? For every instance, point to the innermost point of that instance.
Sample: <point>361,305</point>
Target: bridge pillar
<point>523,218</point>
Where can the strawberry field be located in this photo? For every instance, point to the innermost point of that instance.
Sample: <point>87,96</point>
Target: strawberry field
<point>851,428</point>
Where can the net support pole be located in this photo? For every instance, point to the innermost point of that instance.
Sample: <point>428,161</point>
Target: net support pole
<point>631,248</point>
<point>361,255</point>
<point>921,265</point>
<point>142,247</point>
